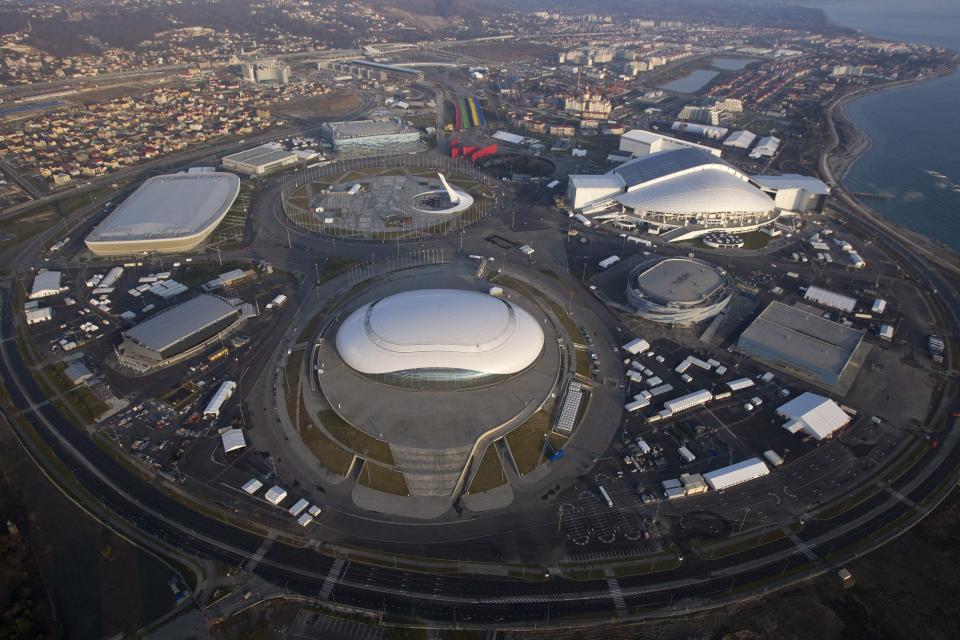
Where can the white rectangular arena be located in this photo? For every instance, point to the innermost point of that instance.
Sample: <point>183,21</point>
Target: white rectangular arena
<point>166,214</point>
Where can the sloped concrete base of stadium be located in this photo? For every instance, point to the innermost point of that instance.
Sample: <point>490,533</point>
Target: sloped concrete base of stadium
<point>497,498</point>
<point>419,507</point>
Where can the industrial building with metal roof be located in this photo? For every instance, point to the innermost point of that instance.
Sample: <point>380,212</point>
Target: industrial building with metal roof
<point>678,291</point>
<point>177,331</point>
<point>166,214</point>
<point>801,343</point>
<point>259,160</point>
<point>439,338</point>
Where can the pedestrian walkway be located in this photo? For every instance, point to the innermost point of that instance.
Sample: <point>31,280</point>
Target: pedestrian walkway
<point>616,594</point>
<point>333,577</point>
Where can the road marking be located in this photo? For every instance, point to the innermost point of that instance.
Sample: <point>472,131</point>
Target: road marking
<point>333,577</point>
<point>617,595</point>
<point>260,553</point>
<point>804,548</point>
<point>899,496</point>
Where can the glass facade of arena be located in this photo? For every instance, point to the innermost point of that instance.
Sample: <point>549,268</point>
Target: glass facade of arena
<point>438,379</point>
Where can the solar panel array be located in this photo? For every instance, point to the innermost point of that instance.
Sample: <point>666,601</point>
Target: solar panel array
<point>571,406</point>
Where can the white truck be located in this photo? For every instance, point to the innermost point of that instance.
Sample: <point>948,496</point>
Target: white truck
<point>606,263</point>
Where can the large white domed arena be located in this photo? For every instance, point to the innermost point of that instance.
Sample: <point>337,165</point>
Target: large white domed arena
<point>439,338</point>
<point>678,291</point>
<point>680,193</point>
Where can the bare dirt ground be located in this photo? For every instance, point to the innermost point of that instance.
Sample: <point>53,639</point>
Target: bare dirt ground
<point>905,590</point>
<point>98,584</point>
<point>506,51</point>
<point>330,105</point>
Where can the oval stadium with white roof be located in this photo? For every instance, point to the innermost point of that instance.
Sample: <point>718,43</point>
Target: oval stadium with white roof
<point>166,214</point>
<point>678,291</point>
<point>680,193</point>
<point>440,339</point>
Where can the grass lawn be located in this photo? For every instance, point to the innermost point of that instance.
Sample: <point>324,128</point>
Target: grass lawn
<point>326,450</point>
<point>80,398</point>
<point>738,545</point>
<point>335,266</point>
<point>490,472</point>
<point>354,439</point>
<point>231,228</point>
<point>194,274</point>
<point>526,441</point>
<point>329,453</point>
<point>291,388</point>
<point>27,225</point>
<point>557,441</point>
<point>383,479</point>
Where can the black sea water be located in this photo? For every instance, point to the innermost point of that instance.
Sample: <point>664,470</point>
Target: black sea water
<point>915,130</point>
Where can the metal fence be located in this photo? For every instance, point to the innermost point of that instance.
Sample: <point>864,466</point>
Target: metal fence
<point>304,218</point>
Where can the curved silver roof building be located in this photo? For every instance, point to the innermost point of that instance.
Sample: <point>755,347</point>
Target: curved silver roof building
<point>440,338</point>
<point>683,193</point>
<point>705,190</point>
<point>166,214</point>
<point>678,290</point>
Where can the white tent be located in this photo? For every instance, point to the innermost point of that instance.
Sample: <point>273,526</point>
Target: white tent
<point>817,416</point>
<point>232,440</point>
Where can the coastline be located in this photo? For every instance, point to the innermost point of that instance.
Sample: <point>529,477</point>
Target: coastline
<point>836,160</point>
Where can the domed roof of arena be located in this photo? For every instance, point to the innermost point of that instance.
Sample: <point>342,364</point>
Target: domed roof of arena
<point>706,188</point>
<point>440,329</point>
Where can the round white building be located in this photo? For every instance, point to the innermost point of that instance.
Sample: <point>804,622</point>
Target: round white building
<point>440,339</point>
<point>678,291</point>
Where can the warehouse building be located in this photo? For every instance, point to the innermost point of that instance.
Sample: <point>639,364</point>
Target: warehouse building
<point>179,332</point>
<point>801,343</point>
<point>364,138</point>
<point>794,192</point>
<point>813,415</point>
<point>743,471</point>
<point>260,160</point>
<point>166,214</point>
<point>830,299</point>
<point>688,401</point>
<point>740,139</point>
<point>638,142</point>
<point>45,284</point>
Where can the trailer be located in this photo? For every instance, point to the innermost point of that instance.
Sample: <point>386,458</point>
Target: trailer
<point>279,301</point>
<point>773,458</point>
<point>606,263</point>
<point>606,496</point>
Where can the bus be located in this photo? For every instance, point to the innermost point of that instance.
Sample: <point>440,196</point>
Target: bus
<point>606,496</point>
